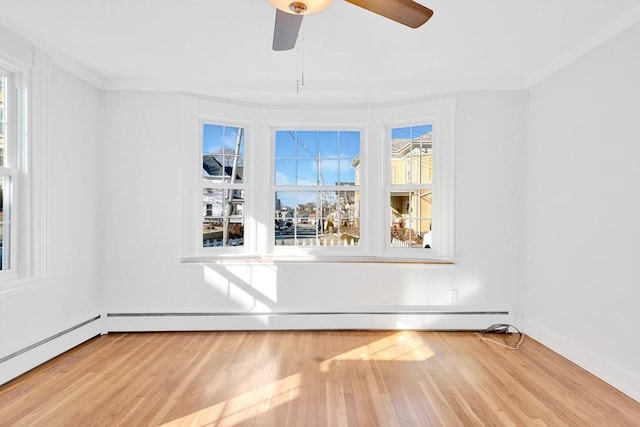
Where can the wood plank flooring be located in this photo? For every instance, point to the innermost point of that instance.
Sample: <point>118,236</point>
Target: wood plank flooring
<point>311,378</point>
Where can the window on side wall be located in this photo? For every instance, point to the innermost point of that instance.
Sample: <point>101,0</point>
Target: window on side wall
<point>316,189</point>
<point>411,187</point>
<point>8,170</point>
<point>223,185</point>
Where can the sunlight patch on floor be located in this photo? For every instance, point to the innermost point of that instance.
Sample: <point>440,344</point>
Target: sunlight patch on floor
<point>404,346</point>
<point>244,406</point>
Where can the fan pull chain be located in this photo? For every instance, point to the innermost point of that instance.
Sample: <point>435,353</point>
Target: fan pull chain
<point>300,61</point>
<point>302,54</point>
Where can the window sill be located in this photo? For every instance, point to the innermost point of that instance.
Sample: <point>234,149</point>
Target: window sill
<point>270,260</point>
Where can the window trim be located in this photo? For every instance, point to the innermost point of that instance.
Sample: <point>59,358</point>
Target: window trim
<point>261,122</point>
<point>29,246</point>
<point>435,186</point>
<point>317,251</point>
<point>249,246</point>
<point>441,116</point>
<point>242,186</point>
<point>12,142</point>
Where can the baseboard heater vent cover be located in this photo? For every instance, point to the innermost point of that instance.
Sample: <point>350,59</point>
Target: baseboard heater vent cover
<point>48,339</point>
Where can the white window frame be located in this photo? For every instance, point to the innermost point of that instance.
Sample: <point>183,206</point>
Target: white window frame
<point>373,122</point>
<point>27,167</point>
<point>195,113</point>
<point>249,230</point>
<point>12,141</point>
<point>315,251</point>
<point>227,186</point>
<point>441,116</point>
<point>408,186</point>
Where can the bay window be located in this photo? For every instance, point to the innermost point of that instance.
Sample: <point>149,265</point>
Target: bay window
<point>371,184</point>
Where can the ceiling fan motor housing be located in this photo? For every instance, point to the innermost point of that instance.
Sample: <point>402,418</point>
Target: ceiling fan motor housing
<point>308,7</point>
<point>298,7</point>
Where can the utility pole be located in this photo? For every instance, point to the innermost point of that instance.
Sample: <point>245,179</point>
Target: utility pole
<point>234,169</point>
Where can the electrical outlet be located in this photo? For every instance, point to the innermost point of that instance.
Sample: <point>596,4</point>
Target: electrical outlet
<point>453,296</point>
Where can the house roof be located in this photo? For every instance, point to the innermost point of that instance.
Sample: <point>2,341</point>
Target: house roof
<point>212,167</point>
<point>401,146</point>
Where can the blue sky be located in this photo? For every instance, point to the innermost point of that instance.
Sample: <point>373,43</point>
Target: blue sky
<point>306,157</point>
<point>410,132</point>
<point>315,157</point>
<point>216,137</point>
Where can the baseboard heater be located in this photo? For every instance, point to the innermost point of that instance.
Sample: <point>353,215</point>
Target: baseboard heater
<point>48,340</point>
<point>345,319</point>
<point>308,313</point>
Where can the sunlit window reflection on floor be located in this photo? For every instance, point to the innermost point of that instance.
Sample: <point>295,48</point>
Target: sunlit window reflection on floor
<point>244,406</point>
<point>404,346</point>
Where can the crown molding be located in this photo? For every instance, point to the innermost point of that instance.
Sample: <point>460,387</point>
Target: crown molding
<point>80,72</point>
<point>607,33</point>
<point>329,92</point>
<point>321,93</point>
<point>58,59</point>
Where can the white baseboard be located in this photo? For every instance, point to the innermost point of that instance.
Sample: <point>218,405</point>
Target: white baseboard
<point>16,364</point>
<point>617,376</point>
<point>432,320</point>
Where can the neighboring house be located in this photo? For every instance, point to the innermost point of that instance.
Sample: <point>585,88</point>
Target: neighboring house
<point>214,198</point>
<point>412,163</point>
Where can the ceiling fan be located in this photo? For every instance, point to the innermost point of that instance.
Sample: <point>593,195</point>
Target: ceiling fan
<point>289,15</point>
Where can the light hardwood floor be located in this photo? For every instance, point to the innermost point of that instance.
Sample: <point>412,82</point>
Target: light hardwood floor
<point>311,378</point>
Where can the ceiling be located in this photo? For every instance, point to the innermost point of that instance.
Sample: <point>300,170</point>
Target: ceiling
<point>223,47</point>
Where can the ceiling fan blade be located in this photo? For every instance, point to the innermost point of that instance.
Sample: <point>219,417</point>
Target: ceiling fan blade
<point>406,12</point>
<point>285,33</point>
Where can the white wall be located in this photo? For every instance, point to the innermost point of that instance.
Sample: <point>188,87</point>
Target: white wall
<point>582,248</point>
<point>66,295</point>
<point>115,223</point>
<point>142,221</point>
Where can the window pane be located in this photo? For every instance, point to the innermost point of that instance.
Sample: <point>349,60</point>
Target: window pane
<point>222,217</point>
<point>349,145</point>
<point>328,144</point>
<point>3,132</point>
<point>286,202</point>
<point>410,220</point>
<point>212,138</point>
<point>222,205</point>
<point>285,144</point>
<point>5,223</point>
<point>3,118</point>
<point>222,153</point>
<point>322,217</point>
<point>307,173</point>
<point>5,181</point>
<point>347,217</point>
<point>422,168</point>
<point>317,218</point>
<point>285,172</point>
<point>347,172</point>
<point>412,155</point>
<point>323,158</point>
<point>307,145</point>
<point>330,172</point>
